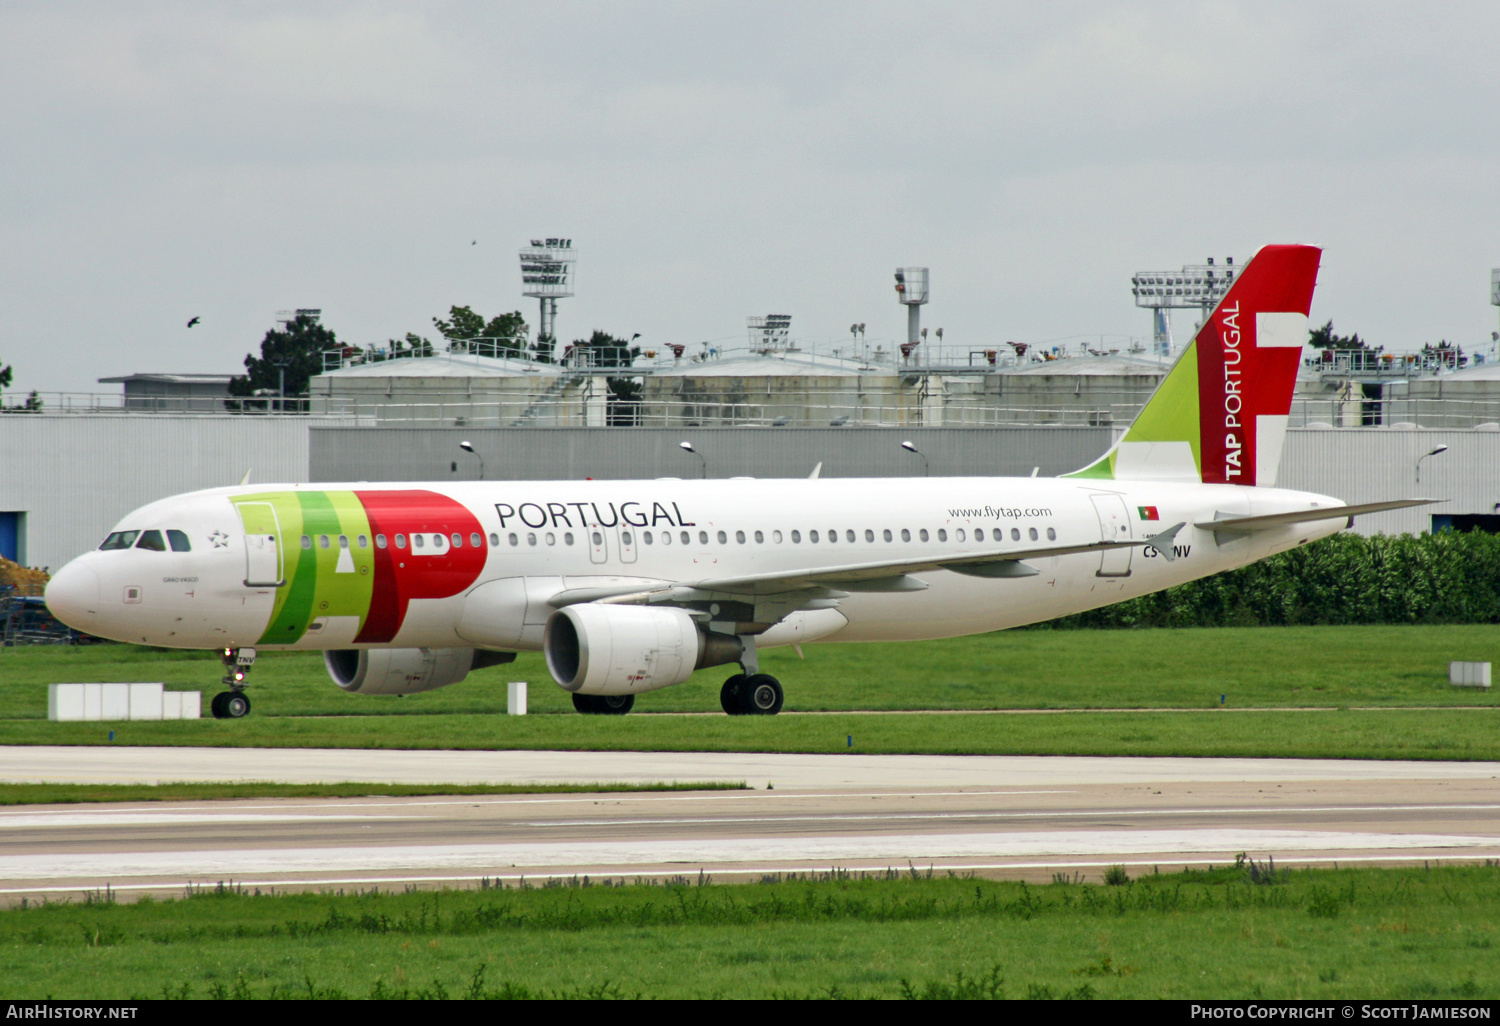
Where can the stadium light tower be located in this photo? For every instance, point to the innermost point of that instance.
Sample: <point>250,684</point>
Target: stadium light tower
<point>1196,286</point>
<point>547,275</point>
<point>911,290</point>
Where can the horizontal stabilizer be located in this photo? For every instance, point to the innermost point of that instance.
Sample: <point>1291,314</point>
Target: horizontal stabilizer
<point>1230,524</point>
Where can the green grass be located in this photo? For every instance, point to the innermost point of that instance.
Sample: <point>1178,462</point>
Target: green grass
<point>1380,934</point>
<point>1386,688</point>
<point>72,794</point>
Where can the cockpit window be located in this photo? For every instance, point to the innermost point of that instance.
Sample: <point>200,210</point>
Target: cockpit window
<point>120,540</point>
<point>179,541</point>
<point>152,540</point>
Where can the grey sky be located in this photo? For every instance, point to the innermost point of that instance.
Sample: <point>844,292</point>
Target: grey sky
<point>160,161</point>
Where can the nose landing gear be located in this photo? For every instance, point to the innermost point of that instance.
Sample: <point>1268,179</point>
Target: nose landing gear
<point>234,703</point>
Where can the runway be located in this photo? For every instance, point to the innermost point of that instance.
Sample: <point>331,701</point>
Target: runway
<point>993,816</point>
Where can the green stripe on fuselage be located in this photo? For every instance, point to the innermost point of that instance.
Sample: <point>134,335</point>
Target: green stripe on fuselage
<point>316,586</point>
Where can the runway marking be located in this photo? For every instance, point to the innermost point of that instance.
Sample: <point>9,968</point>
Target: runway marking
<point>166,817</point>
<point>608,797</point>
<point>898,847</point>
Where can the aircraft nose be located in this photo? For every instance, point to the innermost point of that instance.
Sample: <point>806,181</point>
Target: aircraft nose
<point>73,596</point>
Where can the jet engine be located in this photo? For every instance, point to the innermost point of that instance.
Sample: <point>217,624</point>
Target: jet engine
<point>622,650</point>
<point>405,671</point>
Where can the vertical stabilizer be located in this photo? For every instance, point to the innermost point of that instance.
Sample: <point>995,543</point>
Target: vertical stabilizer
<point>1220,414</point>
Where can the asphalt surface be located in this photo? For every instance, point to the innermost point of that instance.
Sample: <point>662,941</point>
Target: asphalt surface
<point>1015,817</point>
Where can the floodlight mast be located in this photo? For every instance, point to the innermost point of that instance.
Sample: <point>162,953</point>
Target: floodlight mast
<point>1196,286</point>
<point>547,275</point>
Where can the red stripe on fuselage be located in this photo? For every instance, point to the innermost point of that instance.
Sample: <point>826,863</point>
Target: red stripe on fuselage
<point>409,572</point>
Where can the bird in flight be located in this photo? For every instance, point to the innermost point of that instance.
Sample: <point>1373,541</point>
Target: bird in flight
<point>194,321</point>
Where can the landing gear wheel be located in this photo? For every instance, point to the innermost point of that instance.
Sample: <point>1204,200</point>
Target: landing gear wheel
<point>762,695</point>
<point>230,705</point>
<point>606,705</point>
<point>613,705</point>
<point>731,695</point>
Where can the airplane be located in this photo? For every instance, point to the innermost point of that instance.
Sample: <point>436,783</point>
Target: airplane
<point>631,586</point>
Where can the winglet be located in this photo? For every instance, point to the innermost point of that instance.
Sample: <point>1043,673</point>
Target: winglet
<point>1163,542</point>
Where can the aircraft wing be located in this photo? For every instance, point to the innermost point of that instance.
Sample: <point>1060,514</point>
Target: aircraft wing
<point>1230,524</point>
<point>884,575</point>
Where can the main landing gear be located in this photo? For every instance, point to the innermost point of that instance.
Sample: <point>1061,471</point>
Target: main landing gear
<point>751,694</point>
<point>234,703</point>
<point>606,705</point>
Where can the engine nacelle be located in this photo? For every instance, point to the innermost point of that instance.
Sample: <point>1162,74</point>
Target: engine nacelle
<point>623,650</point>
<point>405,671</point>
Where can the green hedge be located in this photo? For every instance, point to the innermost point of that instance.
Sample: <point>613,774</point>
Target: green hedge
<point>1345,579</point>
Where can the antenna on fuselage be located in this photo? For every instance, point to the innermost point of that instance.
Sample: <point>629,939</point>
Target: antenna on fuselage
<point>246,479</point>
<point>816,471</point>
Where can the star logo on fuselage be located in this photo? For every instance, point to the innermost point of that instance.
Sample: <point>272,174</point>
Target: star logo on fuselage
<point>219,540</point>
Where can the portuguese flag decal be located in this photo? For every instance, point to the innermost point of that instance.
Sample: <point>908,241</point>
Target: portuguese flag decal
<point>1149,513</point>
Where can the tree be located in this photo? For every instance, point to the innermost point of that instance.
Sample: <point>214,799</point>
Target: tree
<point>296,349</point>
<point>1324,338</point>
<point>411,345</point>
<point>464,329</point>
<point>5,377</point>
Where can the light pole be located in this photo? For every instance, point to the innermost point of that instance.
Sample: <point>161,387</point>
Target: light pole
<point>1441,448</point>
<point>688,446</point>
<point>466,447</point>
<point>911,447</point>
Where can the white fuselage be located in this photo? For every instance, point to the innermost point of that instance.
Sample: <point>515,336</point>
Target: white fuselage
<point>228,590</point>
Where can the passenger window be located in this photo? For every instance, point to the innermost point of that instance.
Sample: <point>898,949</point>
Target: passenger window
<point>776,537</point>
<point>119,540</point>
<point>530,538</point>
<point>323,541</point>
<point>812,536</point>
<point>364,542</point>
<point>723,538</point>
<point>513,539</point>
<point>306,542</point>
<point>417,541</point>
<point>1052,534</point>
<point>476,541</point>
<point>958,535</point>
<point>343,541</point>
<point>551,538</point>
<point>458,541</point>
<point>666,537</point>
<point>739,536</point>
<point>922,534</point>
<point>401,541</point>
<point>905,534</point>
<point>646,537</point>
<point>380,541</point>
<point>942,534</point>
<point>626,539</point>
<point>687,539</point>
<point>495,540</point>
<point>597,538</point>
<point>760,539</point>
<point>796,538</point>
<point>567,537</point>
<point>152,540</point>
<point>1032,533</point>
<point>1015,534</point>
<point>702,537</point>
